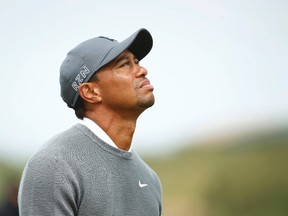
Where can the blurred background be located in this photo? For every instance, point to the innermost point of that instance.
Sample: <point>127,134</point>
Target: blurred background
<point>218,132</point>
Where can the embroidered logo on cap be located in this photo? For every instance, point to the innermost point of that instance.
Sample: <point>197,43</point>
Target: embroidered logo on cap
<point>80,78</point>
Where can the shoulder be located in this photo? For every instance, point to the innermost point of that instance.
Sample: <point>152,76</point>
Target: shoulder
<point>66,149</point>
<point>55,152</point>
<point>64,143</point>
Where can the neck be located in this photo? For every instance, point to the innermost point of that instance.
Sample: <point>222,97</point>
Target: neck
<point>120,129</point>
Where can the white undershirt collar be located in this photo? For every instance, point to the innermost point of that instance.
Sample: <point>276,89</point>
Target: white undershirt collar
<point>99,132</point>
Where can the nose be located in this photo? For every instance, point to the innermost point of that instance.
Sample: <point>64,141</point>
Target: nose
<point>141,71</point>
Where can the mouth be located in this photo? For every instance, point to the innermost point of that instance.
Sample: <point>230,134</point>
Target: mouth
<point>146,84</point>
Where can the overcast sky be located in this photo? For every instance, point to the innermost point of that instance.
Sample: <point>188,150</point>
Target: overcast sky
<point>216,65</point>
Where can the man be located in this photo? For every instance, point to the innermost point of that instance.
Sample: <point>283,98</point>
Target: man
<point>91,169</point>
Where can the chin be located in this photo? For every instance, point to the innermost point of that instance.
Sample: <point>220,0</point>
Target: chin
<point>146,102</point>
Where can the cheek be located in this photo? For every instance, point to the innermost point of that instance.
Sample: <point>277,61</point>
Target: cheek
<point>119,88</point>
<point>123,83</point>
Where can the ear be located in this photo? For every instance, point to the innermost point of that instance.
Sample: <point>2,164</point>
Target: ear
<point>89,92</point>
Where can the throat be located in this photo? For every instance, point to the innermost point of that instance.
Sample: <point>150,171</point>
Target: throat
<point>121,135</point>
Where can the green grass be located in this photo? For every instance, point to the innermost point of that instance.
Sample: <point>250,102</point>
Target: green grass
<point>243,178</point>
<point>9,177</point>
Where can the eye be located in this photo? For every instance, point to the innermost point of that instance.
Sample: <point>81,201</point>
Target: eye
<point>126,63</point>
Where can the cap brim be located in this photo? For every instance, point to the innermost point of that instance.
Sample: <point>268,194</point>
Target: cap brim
<point>140,43</point>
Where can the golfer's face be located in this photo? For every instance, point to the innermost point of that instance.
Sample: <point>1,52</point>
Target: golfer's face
<point>123,84</point>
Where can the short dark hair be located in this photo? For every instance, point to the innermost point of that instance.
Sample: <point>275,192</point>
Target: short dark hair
<point>80,108</point>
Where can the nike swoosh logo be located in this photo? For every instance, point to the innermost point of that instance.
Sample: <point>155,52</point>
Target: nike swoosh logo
<point>142,185</point>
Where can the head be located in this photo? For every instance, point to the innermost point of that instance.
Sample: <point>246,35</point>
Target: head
<point>103,72</point>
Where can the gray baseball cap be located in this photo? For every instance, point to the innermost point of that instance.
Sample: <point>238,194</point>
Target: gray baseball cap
<point>88,57</point>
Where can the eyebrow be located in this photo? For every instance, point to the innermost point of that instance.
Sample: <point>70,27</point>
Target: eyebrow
<point>121,58</point>
<point>124,57</point>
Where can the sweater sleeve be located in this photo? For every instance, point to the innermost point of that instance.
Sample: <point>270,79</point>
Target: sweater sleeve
<point>48,187</point>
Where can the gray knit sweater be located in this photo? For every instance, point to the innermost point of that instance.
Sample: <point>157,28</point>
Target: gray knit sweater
<point>76,173</point>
